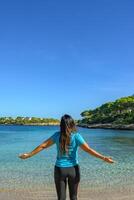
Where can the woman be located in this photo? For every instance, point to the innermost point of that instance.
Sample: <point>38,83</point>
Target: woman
<point>66,167</point>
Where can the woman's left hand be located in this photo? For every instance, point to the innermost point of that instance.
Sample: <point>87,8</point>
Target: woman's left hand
<point>24,156</point>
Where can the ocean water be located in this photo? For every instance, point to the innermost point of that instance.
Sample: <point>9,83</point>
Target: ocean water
<point>36,173</point>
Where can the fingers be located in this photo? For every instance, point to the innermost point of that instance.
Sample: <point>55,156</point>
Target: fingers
<point>113,161</point>
<point>23,156</point>
<point>109,160</point>
<point>19,156</point>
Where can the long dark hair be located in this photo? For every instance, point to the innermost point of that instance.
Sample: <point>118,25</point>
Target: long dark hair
<point>67,126</point>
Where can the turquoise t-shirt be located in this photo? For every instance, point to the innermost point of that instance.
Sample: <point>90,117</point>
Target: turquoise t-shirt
<point>71,159</point>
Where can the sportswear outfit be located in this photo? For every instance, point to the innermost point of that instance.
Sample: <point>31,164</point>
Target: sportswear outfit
<point>67,166</point>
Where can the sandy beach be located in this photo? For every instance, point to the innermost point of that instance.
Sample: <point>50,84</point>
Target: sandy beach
<point>124,193</point>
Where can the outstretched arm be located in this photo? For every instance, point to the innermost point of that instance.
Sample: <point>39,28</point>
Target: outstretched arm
<point>47,143</point>
<point>91,151</point>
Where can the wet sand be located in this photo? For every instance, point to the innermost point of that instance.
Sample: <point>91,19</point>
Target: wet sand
<point>83,194</point>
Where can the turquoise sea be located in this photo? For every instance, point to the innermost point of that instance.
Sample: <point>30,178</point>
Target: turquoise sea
<point>36,173</point>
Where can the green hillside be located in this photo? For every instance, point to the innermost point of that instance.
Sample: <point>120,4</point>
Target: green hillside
<point>28,121</point>
<point>120,111</point>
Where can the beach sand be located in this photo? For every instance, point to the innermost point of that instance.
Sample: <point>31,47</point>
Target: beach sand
<point>124,193</point>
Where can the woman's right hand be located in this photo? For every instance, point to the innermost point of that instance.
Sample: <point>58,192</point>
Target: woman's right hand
<point>24,156</point>
<point>108,159</point>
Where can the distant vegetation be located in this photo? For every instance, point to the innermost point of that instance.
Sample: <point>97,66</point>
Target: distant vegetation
<point>28,121</point>
<point>121,111</point>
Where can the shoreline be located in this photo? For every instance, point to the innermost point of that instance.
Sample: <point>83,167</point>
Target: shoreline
<point>92,126</point>
<point>32,124</point>
<point>108,126</point>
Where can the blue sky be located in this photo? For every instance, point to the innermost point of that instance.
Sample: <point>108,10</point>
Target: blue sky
<point>61,57</point>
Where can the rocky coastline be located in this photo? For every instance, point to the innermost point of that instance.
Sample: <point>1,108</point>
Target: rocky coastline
<point>33,124</point>
<point>108,126</point>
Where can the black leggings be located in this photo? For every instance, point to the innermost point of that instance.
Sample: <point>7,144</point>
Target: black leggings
<point>60,177</point>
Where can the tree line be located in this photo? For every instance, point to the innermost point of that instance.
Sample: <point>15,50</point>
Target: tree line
<point>120,111</point>
<point>28,120</point>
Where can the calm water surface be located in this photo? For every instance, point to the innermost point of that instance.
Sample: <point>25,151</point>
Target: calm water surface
<point>37,171</point>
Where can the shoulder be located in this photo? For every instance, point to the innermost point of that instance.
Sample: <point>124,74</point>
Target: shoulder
<point>77,134</point>
<point>55,135</point>
<point>79,138</point>
<point>57,132</point>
